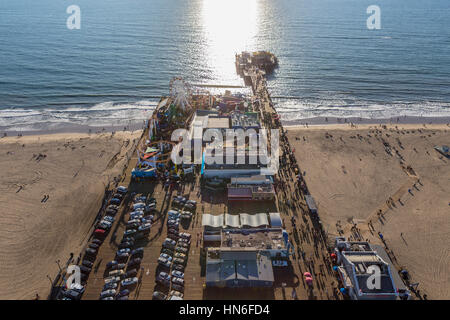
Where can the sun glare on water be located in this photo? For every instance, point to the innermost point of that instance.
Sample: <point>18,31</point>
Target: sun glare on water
<point>229,27</point>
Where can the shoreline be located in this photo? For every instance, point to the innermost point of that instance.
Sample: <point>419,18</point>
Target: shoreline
<point>311,123</point>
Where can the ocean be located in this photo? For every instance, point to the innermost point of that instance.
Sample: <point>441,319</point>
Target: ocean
<point>114,68</point>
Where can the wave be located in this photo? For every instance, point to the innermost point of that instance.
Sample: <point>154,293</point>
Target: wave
<point>291,109</point>
<point>102,114</point>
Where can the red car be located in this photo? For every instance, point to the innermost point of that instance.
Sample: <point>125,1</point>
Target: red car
<point>99,232</point>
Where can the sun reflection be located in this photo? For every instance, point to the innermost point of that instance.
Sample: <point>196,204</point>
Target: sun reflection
<point>230,27</point>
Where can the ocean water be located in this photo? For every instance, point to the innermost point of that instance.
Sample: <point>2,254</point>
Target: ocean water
<point>112,70</point>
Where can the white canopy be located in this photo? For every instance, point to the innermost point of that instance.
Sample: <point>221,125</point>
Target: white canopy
<point>254,220</point>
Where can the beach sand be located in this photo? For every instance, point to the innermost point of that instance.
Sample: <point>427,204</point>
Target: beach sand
<point>73,169</point>
<point>351,175</point>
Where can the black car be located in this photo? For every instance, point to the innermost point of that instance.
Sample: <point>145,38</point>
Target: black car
<point>124,245</point>
<point>87,263</point>
<point>118,196</point>
<point>111,212</point>
<point>139,252</point>
<point>128,239</point>
<point>91,252</point>
<point>123,256</point>
<point>130,273</point>
<point>97,241</point>
<point>85,269</point>
<point>178,267</point>
<point>134,262</point>
<point>72,294</point>
<point>94,246</point>
<point>159,296</point>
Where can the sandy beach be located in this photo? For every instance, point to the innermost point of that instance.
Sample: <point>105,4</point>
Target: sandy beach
<point>51,190</point>
<point>353,172</point>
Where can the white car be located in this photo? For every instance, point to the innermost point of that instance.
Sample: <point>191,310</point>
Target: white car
<point>112,279</point>
<point>107,293</point>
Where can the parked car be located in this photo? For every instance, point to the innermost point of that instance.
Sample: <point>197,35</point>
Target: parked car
<point>128,239</point>
<point>131,273</point>
<point>180,255</point>
<point>111,264</point>
<point>134,262</point>
<point>177,274</point>
<point>167,251</point>
<point>107,298</point>
<point>91,252</point>
<point>179,261</point>
<point>179,267</point>
<point>139,205</point>
<point>186,215</point>
<point>115,201</point>
<point>124,245</point>
<point>185,235</point>
<point>116,273</point>
<point>112,279</point>
<point>174,293</point>
<point>85,269</point>
<point>123,293</point>
<point>100,233</point>
<point>166,256</point>
<point>136,215</point>
<point>182,249</point>
<point>164,262</point>
<point>90,258</point>
<point>105,225</point>
<point>93,246</point>
<point>109,219</point>
<point>129,232</point>
<point>111,212</point>
<point>122,256</point>
<point>112,207</point>
<point>163,278</point>
<point>183,240</point>
<point>125,250</point>
<point>132,226</point>
<point>145,227</point>
<point>110,285</point>
<point>122,189</point>
<point>138,252</point>
<point>147,219</point>
<point>173,214</point>
<point>173,236</point>
<point>178,281</point>
<point>190,205</point>
<point>72,294</point>
<point>129,282</point>
<point>177,287</point>
<point>182,244</point>
<point>169,243</point>
<point>159,296</point>
<point>87,263</point>
<point>119,266</point>
<point>118,196</point>
<point>108,293</point>
<point>97,241</point>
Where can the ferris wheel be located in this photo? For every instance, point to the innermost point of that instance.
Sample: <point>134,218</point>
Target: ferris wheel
<point>181,92</point>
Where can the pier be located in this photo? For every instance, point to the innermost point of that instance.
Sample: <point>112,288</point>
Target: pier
<point>309,252</point>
